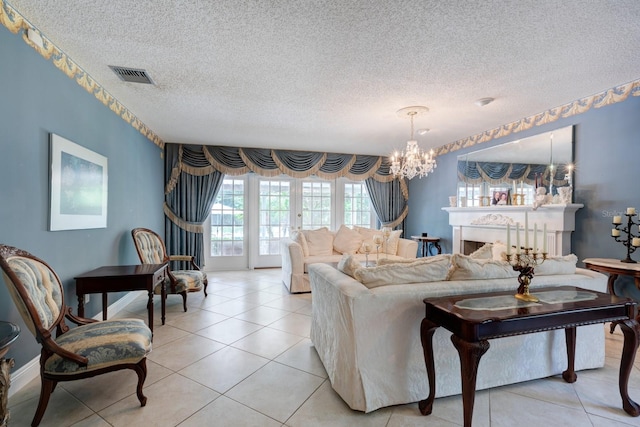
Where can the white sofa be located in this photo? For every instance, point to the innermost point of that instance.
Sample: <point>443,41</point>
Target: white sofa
<point>299,251</point>
<point>369,338</point>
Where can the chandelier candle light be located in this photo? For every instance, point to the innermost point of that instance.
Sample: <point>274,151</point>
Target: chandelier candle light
<point>632,241</point>
<point>413,161</point>
<point>526,258</point>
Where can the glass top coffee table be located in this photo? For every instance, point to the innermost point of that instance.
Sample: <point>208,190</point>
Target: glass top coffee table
<point>475,319</point>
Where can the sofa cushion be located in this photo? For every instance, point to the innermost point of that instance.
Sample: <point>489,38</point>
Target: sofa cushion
<point>485,252</point>
<point>499,251</point>
<point>557,265</point>
<point>347,241</point>
<point>463,267</point>
<point>349,264</point>
<point>367,237</point>
<point>319,241</point>
<point>298,237</point>
<point>390,246</point>
<point>431,269</point>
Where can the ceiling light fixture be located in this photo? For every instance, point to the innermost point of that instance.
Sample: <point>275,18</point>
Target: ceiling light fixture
<point>483,101</point>
<point>413,161</point>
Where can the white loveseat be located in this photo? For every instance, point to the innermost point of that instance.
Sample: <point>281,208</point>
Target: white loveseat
<point>322,245</point>
<point>368,338</point>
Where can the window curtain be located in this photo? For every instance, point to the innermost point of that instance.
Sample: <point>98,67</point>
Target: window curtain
<point>194,175</point>
<point>389,201</point>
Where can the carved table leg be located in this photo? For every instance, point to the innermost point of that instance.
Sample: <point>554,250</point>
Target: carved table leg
<point>470,354</point>
<point>5,382</point>
<point>150,310</point>
<point>610,282</point>
<point>81,305</point>
<point>427,329</point>
<point>631,332</point>
<point>570,337</point>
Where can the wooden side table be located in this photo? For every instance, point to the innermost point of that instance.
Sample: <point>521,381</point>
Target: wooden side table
<point>8,334</point>
<point>425,242</point>
<point>614,268</point>
<point>121,278</point>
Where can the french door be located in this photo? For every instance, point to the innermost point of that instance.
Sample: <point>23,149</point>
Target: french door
<point>251,214</point>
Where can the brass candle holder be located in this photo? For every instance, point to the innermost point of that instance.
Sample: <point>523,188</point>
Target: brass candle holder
<point>630,238</point>
<point>525,263</point>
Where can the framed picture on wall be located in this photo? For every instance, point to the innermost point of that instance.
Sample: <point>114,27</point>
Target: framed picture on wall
<point>501,197</point>
<point>77,186</point>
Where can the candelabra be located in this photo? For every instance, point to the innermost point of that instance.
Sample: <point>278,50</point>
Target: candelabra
<point>525,262</point>
<point>366,248</point>
<point>632,241</point>
<point>386,232</point>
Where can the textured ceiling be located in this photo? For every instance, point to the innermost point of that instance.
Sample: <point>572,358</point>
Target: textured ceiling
<point>329,75</point>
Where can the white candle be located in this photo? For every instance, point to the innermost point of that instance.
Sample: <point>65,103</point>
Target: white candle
<point>544,238</point>
<point>535,237</point>
<point>617,219</point>
<point>636,241</point>
<point>517,237</point>
<point>508,239</point>
<point>526,230</point>
<point>521,187</point>
<point>514,186</point>
<point>631,211</point>
<point>615,232</point>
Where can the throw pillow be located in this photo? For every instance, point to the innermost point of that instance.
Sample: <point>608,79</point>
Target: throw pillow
<point>499,251</point>
<point>390,246</point>
<point>557,265</point>
<point>348,265</point>
<point>464,267</point>
<point>432,269</point>
<point>367,237</point>
<point>387,261</point>
<point>319,242</point>
<point>347,241</point>
<point>485,252</point>
<point>298,237</point>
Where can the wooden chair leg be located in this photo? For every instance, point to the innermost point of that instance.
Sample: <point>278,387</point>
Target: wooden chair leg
<point>141,370</point>
<point>206,282</point>
<point>45,392</point>
<point>184,299</point>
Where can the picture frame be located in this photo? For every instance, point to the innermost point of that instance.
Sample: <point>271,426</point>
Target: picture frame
<point>501,197</point>
<point>78,186</point>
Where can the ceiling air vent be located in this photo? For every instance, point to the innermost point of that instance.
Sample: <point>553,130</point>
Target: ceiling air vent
<point>133,75</point>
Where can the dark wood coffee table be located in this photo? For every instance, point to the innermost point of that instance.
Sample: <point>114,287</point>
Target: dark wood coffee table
<point>472,325</point>
<point>120,278</point>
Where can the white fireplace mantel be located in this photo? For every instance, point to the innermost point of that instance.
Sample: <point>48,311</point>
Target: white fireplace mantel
<point>489,224</point>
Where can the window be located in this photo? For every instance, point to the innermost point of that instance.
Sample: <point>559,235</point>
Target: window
<point>316,204</point>
<point>274,214</point>
<point>227,219</point>
<point>357,205</point>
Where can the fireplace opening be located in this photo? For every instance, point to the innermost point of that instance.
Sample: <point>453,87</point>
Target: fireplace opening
<point>469,246</point>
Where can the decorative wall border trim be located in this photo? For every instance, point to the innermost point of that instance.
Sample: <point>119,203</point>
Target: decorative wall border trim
<point>602,99</point>
<point>16,23</point>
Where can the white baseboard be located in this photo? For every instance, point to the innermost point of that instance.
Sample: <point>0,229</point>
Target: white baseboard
<point>30,370</point>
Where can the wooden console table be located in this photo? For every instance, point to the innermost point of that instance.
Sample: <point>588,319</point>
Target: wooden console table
<point>8,334</point>
<point>473,325</point>
<point>614,268</point>
<point>120,278</point>
<point>425,242</point>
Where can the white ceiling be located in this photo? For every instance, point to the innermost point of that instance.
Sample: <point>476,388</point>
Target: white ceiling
<point>329,75</point>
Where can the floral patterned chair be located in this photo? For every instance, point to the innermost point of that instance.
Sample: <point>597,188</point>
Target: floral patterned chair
<point>90,349</point>
<point>151,250</point>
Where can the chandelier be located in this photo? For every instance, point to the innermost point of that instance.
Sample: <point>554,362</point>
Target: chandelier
<point>412,161</point>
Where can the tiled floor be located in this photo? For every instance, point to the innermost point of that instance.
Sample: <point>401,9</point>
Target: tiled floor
<point>242,357</point>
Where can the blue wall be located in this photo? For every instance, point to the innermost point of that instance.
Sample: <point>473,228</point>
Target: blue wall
<point>38,99</point>
<point>607,149</point>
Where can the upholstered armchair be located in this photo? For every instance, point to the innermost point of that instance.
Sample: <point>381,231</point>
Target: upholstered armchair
<point>90,349</point>
<point>151,250</point>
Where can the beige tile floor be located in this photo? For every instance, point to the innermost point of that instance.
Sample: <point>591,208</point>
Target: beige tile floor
<point>242,357</point>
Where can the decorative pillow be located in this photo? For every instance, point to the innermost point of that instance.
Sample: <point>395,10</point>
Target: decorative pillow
<point>485,252</point>
<point>319,242</point>
<point>390,246</point>
<point>499,251</point>
<point>387,261</point>
<point>298,237</point>
<point>367,237</point>
<point>464,267</point>
<point>348,265</point>
<point>347,241</point>
<point>557,265</point>
<point>431,269</point>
